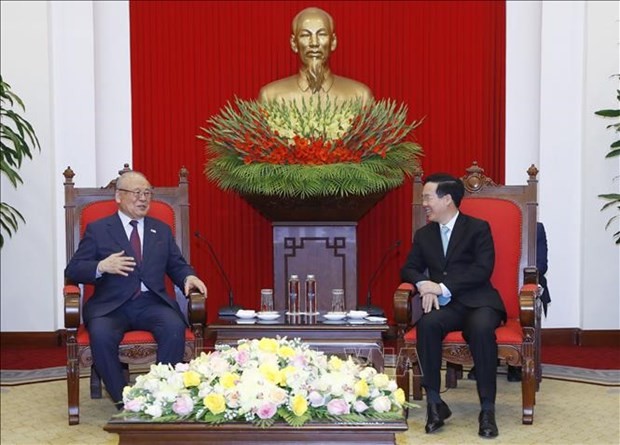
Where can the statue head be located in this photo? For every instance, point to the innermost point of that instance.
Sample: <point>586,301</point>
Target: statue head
<point>313,39</point>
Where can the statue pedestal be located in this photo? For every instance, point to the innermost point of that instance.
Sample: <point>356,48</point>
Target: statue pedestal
<point>315,236</point>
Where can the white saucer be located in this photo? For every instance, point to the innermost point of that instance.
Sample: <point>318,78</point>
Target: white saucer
<point>376,319</point>
<point>356,321</point>
<point>246,321</point>
<point>245,314</point>
<point>268,315</point>
<point>357,315</point>
<point>332,316</point>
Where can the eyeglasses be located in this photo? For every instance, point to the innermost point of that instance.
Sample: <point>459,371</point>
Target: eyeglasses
<point>148,194</point>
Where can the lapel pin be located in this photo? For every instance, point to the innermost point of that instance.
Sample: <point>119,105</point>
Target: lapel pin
<point>153,230</point>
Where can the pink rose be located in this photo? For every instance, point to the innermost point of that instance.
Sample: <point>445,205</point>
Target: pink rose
<point>266,410</point>
<point>133,405</point>
<point>359,406</point>
<point>338,407</point>
<point>316,399</point>
<point>242,357</point>
<point>183,405</point>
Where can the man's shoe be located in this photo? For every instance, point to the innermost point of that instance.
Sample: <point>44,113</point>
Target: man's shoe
<point>488,427</point>
<point>119,406</point>
<point>436,413</point>
<point>514,373</point>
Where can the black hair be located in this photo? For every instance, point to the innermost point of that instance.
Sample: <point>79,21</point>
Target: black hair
<point>448,185</point>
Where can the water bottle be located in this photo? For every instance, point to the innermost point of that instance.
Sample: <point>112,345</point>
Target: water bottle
<point>293,295</point>
<point>310,295</point>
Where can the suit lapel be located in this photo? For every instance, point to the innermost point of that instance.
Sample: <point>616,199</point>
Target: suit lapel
<point>117,232</point>
<point>458,231</point>
<point>150,239</point>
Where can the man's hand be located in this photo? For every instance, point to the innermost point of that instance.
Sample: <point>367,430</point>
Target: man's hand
<point>429,301</point>
<point>117,263</point>
<point>429,287</point>
<point>193,282</point>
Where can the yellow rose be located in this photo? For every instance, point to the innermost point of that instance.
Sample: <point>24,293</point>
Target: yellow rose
<point>361,388</point>
<point>191,378</point>
<point>286,351</point>
<point>215,403</point>
<point>299,405</point>
<point>268,344</point>
<point>335,363</point>
<point>399,396</point>
<point>229,379</point>
<point>285,373</point>
<point>271,372</point>
<point>381,380</point>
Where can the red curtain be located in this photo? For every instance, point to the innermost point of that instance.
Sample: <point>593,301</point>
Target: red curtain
<point>444,59</point>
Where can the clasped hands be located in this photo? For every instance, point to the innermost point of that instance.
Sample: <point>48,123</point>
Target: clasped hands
<point>429,291</point>
<point>120,264</point>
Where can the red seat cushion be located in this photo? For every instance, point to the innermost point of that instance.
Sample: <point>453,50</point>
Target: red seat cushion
<point>131,337</point>
<point>508,334</point>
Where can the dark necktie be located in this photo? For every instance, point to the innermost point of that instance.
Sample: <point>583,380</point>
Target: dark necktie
<point>134,240</point>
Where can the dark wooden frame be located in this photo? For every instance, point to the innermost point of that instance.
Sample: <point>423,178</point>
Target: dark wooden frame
<point>76,199</point>
<point>527,353</point>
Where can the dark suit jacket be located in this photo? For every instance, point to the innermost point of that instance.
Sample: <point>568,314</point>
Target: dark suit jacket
<point>541,263</point>
<point>161,256</point>
<point>467,267</point>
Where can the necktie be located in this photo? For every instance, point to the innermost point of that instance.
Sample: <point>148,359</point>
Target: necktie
<point>445,232</point>
<point>134,240</point>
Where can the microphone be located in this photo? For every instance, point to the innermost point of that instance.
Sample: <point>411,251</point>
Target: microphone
<point>231,309</point>
<point>375,310</point>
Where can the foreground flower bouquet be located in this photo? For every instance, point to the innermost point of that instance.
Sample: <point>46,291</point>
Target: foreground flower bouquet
<point>264,381</point>
<point>318,148</point>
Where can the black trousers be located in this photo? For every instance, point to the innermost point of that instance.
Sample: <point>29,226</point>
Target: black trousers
<point>147,312</point>
<point>478,326</point>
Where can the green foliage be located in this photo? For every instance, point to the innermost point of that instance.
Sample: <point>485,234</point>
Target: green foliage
<point>17,142</point>
<point>280,149</point>
<point>612,198</point>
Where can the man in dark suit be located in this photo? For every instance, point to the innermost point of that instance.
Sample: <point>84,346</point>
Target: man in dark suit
<point>127,255</point>
<point>457,295</point>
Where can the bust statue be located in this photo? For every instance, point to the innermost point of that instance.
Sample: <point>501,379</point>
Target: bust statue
<point>313,39</point>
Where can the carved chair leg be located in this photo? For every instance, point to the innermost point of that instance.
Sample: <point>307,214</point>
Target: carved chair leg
<point>528,391</point>
<point>452,374</point>
<point>403,373</point>
<point>126,372</point>
<point>73,388</point>
<point>417,381</point>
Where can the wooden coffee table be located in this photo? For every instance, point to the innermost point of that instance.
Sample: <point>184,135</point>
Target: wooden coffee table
<point>349,337</point>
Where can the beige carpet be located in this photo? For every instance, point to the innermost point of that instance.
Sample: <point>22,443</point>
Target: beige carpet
<point>566,413</point>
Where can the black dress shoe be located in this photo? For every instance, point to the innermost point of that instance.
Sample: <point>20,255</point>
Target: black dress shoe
<point>119,406</point>
<point>514,373</point>
<point>436,413</point>
<point>488,427</point>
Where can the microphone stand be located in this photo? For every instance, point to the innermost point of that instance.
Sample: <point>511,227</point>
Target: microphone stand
<point>376,311</point>
<point>231,309</point>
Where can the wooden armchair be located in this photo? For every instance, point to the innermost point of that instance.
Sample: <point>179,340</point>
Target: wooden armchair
<point>82,206</point>
<point>511,213</point>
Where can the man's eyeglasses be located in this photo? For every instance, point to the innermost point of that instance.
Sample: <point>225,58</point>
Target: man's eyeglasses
<point>148,194</point>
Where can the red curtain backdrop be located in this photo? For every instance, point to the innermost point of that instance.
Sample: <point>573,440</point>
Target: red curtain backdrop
<point>444,59</point>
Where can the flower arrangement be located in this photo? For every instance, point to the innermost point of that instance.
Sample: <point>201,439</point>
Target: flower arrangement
<point>318,148</point>
<point>264,381</point>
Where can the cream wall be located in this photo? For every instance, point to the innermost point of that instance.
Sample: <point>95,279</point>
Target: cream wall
<point>69,61</point>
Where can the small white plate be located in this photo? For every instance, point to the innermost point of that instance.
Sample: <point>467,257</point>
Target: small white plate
<point>376,319</point>
<point>268,315</point>
<point>357,314</point>
<point>245,314</point>
<point>246,321</point>
<point>335,315</point>
<point>356,321</point>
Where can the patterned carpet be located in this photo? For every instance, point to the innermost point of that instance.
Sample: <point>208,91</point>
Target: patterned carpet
<point>566,413</point>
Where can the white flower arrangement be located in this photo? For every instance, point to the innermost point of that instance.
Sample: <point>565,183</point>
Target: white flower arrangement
<point>264,381</point>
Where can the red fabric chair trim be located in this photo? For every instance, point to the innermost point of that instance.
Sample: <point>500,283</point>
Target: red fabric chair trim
<point>508,334</point>
<point>131,337</point>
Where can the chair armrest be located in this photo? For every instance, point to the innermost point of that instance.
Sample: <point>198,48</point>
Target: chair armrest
<point>196,311</point>
<point>529,305</point>
<point>407,305</point>
<point>72,294</point>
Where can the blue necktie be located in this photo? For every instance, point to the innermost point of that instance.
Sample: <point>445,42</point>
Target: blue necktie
<point>445,231</point>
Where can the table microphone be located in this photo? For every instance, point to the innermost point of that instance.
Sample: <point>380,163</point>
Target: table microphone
<point>374,310</point>
<point>231,309</point>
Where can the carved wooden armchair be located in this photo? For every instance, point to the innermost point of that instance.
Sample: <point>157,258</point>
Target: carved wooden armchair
<point>82,206</point>
<point>511,213</point>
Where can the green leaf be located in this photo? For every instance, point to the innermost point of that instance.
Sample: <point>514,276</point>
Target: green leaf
<point>608,113</point>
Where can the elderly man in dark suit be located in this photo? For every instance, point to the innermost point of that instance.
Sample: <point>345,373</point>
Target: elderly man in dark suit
<point>450,263</point>
<point>127,255</point>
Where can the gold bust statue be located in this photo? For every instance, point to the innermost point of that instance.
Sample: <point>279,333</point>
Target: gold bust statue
<point>313,38</point>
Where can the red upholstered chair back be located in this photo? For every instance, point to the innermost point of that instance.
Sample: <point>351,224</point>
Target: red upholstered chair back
<point>505,219</point>
<point>511,213</point>
<point>84,205</point>
<point>99,209</point>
